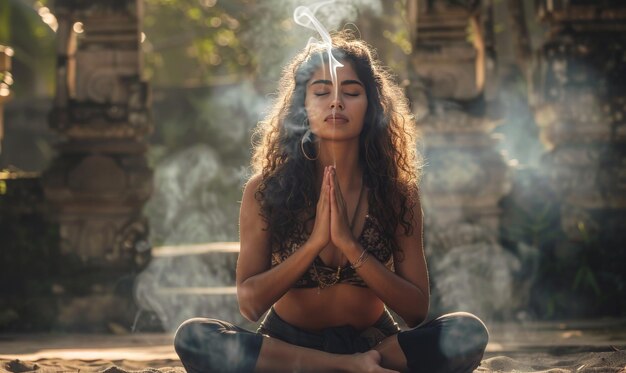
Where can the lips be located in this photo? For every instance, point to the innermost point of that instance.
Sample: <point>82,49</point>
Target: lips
<point>336,118</point>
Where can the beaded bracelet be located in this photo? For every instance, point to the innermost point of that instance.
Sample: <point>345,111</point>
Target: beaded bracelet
<point>361,260</point>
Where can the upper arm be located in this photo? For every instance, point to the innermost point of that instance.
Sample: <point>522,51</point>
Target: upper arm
<point>254,252</point>
<point>411,263</point>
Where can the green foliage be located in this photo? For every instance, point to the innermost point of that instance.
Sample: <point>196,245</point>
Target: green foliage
<point>194,43</point>
<point>581,279</point>
<point>585,277</point>
<point>5,16</point>
<point>33,41</point>
<point>397,30</point>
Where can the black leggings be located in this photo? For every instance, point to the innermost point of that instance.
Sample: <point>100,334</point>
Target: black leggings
<point>453,343</point>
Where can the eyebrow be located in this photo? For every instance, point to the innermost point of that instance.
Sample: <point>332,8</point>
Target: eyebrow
<point>345,82</point>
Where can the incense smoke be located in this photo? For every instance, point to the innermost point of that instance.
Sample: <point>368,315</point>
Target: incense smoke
<point>305,16</point>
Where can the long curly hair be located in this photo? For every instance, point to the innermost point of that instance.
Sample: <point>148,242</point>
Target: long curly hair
<point>387,145</point>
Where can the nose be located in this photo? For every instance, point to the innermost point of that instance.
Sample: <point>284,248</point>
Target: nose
<point>336,103</point>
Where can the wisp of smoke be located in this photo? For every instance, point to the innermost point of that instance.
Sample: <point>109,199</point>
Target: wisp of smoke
<point>305,16</point>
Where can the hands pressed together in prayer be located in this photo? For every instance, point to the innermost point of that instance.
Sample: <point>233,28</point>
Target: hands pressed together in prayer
<point>332,224</point>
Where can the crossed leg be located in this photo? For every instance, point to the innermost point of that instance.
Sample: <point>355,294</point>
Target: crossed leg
<point>451,343</point>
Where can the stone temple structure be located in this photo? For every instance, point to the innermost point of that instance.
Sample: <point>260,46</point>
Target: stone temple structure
<point>100,180</point>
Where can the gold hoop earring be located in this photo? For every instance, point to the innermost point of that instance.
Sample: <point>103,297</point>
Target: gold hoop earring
<point>307,136</point>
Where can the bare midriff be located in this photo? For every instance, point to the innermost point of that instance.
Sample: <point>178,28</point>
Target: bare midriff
<point>338,305</point>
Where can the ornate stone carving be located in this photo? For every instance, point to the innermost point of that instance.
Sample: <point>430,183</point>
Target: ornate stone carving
<point>99,182</point>
<point>96,196</point>
<point>100,93</point>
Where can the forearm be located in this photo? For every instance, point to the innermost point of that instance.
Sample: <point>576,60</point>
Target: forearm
<point>408,300</point>
<point>258,293</point>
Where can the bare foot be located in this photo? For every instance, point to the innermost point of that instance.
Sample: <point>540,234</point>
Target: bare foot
<point>368,362</point>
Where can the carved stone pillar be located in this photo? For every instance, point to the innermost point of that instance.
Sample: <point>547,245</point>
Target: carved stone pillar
<point>581,111</point>
<point>6,80</point>
<point>465,175</point>
<point>100,180</point>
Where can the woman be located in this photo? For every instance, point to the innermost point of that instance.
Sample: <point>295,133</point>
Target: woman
<point>331,236</point>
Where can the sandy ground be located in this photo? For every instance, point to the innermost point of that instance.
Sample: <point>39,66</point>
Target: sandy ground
<point>587,362</point>
<point>577,347</point>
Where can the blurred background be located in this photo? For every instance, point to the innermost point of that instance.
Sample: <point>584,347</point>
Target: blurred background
<point>126,131</point>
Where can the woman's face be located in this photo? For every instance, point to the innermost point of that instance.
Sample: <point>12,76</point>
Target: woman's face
<point>348,103</point>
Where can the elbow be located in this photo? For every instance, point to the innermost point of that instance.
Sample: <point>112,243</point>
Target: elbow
<point>248,307</point>
<point>249,313</point>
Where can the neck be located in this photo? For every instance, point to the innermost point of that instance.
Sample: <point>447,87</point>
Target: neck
<point>344,156</point>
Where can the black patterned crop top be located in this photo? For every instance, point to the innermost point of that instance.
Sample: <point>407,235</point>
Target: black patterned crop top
<point>372,239</point>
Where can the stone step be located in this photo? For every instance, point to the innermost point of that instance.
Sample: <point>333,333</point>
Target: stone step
<point>200,265</point>
<point>182,282</point>
<point>195,249</point>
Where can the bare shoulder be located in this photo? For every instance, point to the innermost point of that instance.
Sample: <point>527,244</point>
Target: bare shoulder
<point>253,184</point>
<point>254,246</point>
<point>249,191</point>
<point>250,212</point>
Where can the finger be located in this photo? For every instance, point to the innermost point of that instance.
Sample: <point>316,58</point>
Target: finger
<point>336,208</point>
<point>337,211</point>
<point>323,197</point>
<point>334,174</point>
<point>329,178</point>
<point>336,189</point>
<point>329,188</point>
<point>327,183</point>
<point>325,194</point>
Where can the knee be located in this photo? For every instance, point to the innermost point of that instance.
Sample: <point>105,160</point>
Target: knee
<point>209,345</point>
<point>477,330</point>
<point>193,336</point>
<point>467,333</point>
